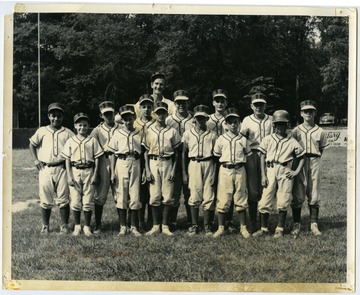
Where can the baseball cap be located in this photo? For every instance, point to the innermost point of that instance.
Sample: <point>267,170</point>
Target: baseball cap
<point>55,106</point>
<point>146,97</point>
<point>308,105</point>
<point>201,110</point>
<point>220,92</point>
<point>157,75</point>
<point>160,105</point>
<point>258,97</point>
<point>126,109</point>
<point>231,112</point>
<point>107,106</point>
<point>181,95</point>
<point>81,115</point>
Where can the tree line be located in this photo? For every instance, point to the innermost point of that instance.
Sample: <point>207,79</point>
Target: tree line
<point>87,58</point>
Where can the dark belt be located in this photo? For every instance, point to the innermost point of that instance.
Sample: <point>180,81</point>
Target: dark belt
<point>125,157</point>
<point>312,156</point>
<point>54,164</point>
<point>271,164</point>
<point>200,159</point>
<point>83,166</point>
<point>233,166</point>
<point>151,157</point>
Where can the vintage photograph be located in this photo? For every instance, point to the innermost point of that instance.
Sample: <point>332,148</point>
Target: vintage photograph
<point>209,148</point>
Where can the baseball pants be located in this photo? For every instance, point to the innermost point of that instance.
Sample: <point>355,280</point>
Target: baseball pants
<point>232,185</point>
<point>253,169</point>
<point>128,176</point>
<point>201,191</point>
<point>82,193</point>
<point>307,183</point>
<point>53,187</point>
<point>279,185</point>
<point>102,188</point>
<point>162,189</point>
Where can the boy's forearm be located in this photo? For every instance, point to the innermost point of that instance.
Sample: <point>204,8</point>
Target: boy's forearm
<point>96,169</point>
<point>33,151</point>
<point>176,159</point>
<point>300,165</point>
<point>68,169</point>
<point>184,160</point>
<point>262,165</point>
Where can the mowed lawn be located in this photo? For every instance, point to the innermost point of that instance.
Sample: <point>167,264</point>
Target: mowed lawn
<point>181,258</point>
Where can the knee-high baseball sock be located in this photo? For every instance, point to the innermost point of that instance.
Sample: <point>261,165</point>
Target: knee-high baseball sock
<point>135,218</point>
<point>314,213</point>
<point>156,214</point>
<point>194,215</point>
<point>64,214</point>
<point>45,216</point>
<point>264,220</point>
<point>87,215</point>
<point>229,214</point>
<point>77,215</point>
<point>122,216</point>
<point>242,217</point>
<point>166,214</point>
<point>281,218</point>
<point>221,218</point>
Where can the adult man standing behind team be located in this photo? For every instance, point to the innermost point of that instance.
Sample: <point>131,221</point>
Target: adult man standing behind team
<point>158,85</point>
<point>255,127</point>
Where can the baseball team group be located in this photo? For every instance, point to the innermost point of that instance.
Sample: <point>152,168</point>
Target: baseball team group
<point>152,153</point>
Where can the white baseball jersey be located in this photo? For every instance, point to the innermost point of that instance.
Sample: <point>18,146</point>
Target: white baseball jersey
<point>82,151</point>
<point>217,124</point>
<point>255,129</point>
<point>170,104</point>
<point>53,187</point>
<point>280,149</point>
<point>127,171</point>
<point>232,149</point>
<point>161,142</point>
<point>142,126</point>
<point>50,143</point>
<point>312,140</point>
<point>200,145</point>
<point>103,134</point>
<point>179,123</point>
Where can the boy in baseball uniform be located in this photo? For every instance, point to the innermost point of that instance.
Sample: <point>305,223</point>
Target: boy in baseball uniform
<point>181,120</point>
<point>82,153</point>
<point>278,152</point>
<point>103,133</point>
<point>198,169</point>
<point>255,127</point>
<point>232,149</point>
<point>161,156</point>
<point>307,183</point>
<point>46,146</point>
<point>126,170</point>
<point>144,121</point>
<point>158,85</point>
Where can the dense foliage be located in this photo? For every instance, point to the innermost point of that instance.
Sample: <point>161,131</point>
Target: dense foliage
<point>86,58</point>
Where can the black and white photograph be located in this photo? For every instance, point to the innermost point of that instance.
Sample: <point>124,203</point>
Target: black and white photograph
<point>179,148</point>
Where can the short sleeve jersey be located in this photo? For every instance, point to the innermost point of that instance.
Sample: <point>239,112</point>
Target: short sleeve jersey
<point>313,140</point>
<point>125,142</point>
<point>255,129</point>
<point>103,134</point>
<point>82,151</point>
<point>161,142</point>
<point>280,149</point>
<point>179,123</point>
<point>232,149</point>
<point>142,126</point>
<point>200,145</point>
<point>50,143</point>
<point>217,124</point>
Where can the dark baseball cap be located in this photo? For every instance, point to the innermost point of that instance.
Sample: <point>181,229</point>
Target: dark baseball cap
<point>201,110</point>
<point>308,105</point>
<point>181,95</point>
<point>146,97</point>
<point>160,105</point>
<point>258,97</point>
<point>107,106</point>
<point>55,106</point>
<point>157,75</point>
<point>80,116</point>
<point>126,109</point>
<point>219,93</point>
<point>231,112</point>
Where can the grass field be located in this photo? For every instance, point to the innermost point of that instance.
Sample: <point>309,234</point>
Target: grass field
<point>181,258</point>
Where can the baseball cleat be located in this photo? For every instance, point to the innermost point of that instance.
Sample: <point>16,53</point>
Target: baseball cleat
<point>77,230</point>
<point>123,230</point>
<point>208,230</point>
<point>64,229</point>
<point>45,230</point>
<point>296,230</point>
<point>193,230</point>
<point>220,232</point>
<point>244,232</point>
<point>261,232</point>
<point>166,230</point>
<point>134,232</point>
<point>314,229</point>
<point>154,230</point>
<point>97,230</point>
<point>87,231</point>
<point>278,234</point>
